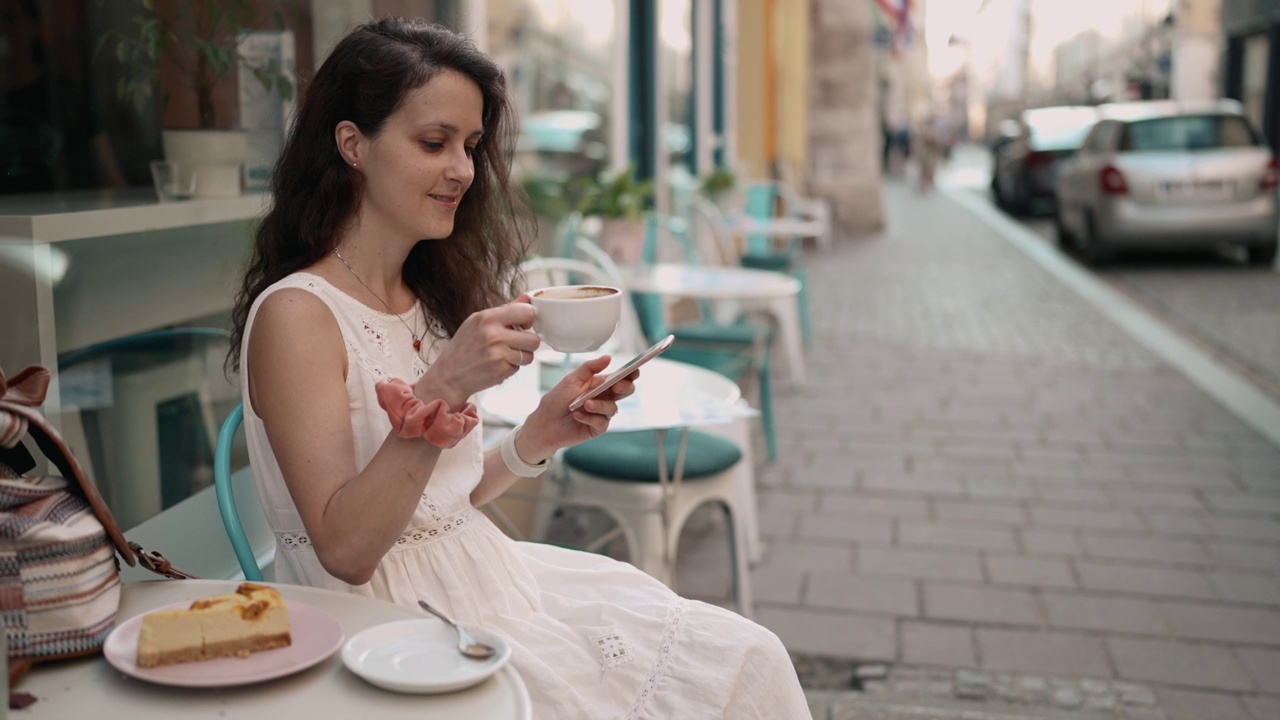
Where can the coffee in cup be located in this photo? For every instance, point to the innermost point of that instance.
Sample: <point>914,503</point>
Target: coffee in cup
<point>576,318</point>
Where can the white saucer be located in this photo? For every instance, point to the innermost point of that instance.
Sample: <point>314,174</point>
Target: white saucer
<point>421,656</point>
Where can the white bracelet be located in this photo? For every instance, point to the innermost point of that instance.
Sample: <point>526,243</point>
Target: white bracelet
<point>512,458</point>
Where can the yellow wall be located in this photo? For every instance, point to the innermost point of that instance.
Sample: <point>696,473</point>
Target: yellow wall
<point>751,89</point>
<point>773,84</point>
<point>793,82</point>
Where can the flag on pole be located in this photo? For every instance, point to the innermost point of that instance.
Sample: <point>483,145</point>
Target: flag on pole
<point>899,13</point>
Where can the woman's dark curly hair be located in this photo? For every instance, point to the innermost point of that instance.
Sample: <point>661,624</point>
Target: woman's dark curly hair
<point>365,79</point>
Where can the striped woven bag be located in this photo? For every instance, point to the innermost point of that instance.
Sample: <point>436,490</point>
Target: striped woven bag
<point>59,573</point>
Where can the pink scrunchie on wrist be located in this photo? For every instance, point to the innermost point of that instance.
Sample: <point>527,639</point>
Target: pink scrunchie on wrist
<point>412,418</point>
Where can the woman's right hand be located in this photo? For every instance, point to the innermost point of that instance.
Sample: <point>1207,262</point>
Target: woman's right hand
<point>489,347</point>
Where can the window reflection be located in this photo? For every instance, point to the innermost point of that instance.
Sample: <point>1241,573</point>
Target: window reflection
<point>559,57</point>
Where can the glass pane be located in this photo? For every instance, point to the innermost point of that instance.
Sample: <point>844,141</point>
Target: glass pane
<point>675,42</point>
<point>1201,132</point>
<point>558,55</point>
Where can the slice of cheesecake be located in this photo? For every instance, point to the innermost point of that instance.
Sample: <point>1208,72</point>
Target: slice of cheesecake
<point>251,619</point>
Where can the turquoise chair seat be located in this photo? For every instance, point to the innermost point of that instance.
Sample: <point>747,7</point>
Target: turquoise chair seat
<point>718,333</point>
<point>775,262</point>
<point>633,456</point>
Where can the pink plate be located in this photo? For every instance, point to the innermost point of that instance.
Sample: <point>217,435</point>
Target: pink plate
<point>316,635</point>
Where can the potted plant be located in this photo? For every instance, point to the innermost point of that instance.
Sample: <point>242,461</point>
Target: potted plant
<point>198,43</point>
<point>718,184</point>
<point>620,200</point>
<point>545,196</point>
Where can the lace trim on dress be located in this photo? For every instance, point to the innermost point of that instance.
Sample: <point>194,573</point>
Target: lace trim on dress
<point>614,648</point>
<point>670,638</point>
<point>293,541</point>
<point>431,532</point>
<point>378,370</point>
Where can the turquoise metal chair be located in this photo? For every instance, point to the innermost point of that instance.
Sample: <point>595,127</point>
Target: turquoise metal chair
<point>731,349</point>
<point>227,498</point>
<point>763,254</point>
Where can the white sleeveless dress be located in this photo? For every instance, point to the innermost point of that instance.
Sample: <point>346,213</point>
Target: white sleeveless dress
<point>593,638</point>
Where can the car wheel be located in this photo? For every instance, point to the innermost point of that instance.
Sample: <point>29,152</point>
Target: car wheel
<point>996,194</point>
<point>1262,254</point>
<point>1066,241</point>
<point>1097,252</point>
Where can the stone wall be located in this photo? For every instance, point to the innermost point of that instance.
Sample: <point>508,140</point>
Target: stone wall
<point>844,127</point>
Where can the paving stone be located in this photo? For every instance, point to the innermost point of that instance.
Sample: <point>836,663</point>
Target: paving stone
<point>1145,580</point>
<point>859,529</point>
<point>1022,570</point>
<point>777,582</point>
<point>993,513</point>
<point>1229,624</point>
<point>1238,502</point>
<point>911,532</point>
<point>1180,664</point>
<point>825,475</point>
<point>979,604</point>
<point>998,489</point>
<point>1189,705</point>
<point>1244,528</point>
<point>938,485</point>
<point>1263,708</point>
<point>867,593</point>
<point>863,637</point>
<point>1263,666</point>
<point>1040,541</point>
<point>925,643</point>
<point>810,555</point>
<point>1042,651</point>
<point>1085,518</point>
<point>1174,523</point>
<point>919,563</point>
<point>1130,547</point>
<point>1103,613</point>
<point>1157,499</point>
<point>792,500</point>
<point>1245,555</point>
<point>1246,587</point>
<point>878,506</point>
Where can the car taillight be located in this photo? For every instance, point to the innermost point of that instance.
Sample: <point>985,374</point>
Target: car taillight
<point>1112,181</point>
<point>1271,176</point>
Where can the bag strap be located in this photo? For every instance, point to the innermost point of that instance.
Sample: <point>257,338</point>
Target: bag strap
<point>20,396</point>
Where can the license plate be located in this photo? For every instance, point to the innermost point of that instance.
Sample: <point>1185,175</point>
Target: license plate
<point>1198,189</point>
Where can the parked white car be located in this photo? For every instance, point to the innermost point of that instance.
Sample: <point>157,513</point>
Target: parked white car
<point>1163,174</point>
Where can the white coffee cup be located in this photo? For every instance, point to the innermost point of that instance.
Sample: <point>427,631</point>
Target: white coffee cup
<point>576,318</point>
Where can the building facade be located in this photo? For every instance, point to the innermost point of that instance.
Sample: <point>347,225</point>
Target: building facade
<point>1251,72</point>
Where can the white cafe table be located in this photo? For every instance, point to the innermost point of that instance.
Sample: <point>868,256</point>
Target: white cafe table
<point>776,291</point>
<point>92,688</point>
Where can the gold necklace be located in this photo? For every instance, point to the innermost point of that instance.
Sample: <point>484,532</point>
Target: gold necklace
<point>417,339</point>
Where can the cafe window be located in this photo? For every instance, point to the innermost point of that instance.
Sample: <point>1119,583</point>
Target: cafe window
<point>70,117</point>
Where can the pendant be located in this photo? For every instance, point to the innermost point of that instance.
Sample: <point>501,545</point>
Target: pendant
<point>417,345</point>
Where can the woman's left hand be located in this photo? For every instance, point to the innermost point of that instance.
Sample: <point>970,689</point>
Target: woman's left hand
<point>552,426</point>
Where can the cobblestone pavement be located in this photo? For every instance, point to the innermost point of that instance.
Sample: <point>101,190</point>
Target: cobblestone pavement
<point>984,474</point>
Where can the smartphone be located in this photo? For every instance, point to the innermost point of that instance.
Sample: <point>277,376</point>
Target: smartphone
<point>657,349</point>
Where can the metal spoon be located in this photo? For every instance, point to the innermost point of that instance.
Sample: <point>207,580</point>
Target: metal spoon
<point>467,645</point>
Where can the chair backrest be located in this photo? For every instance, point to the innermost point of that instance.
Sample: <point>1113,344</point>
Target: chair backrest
<point>227,499</point>
<point>762,198</point>
<point>542,272</point>
<point>711,230</point>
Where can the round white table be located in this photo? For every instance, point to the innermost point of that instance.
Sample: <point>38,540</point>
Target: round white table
<point>91,688</point>
<point>778,292</point>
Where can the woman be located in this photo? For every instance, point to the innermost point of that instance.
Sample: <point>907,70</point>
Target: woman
<point>385,258</point>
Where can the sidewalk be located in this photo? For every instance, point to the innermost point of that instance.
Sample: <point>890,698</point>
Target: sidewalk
<point>989,488</point>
